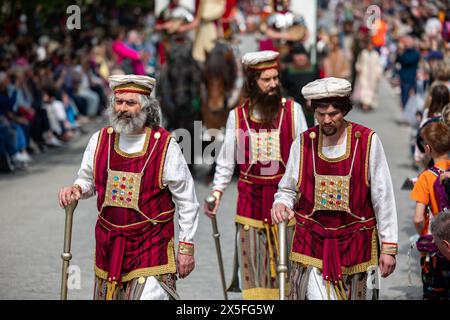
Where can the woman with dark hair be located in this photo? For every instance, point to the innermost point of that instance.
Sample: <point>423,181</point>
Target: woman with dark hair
<point>438,99</point>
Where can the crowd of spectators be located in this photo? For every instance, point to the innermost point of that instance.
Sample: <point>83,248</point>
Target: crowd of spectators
<point>53,79</point>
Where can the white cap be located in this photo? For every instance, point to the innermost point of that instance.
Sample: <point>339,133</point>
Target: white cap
<point>327,88</point>
<point>261,59</point>
<point>132,83</point>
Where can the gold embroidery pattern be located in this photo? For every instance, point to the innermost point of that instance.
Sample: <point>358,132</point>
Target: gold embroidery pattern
<point>148,132</point>
<point>366,166</point>
<point>293,120</point>
<point>265,146</point>
<point>260,294</point>
<point>332,193</point>
<point>170,267</point>
<point>161,166</point>
<point>347,148</point>
<point>300,168</point>
<point>362,267</point>
<point>122,189</point>
<point>388,248</point>
<point>236,116</point>
<point>100,136</point>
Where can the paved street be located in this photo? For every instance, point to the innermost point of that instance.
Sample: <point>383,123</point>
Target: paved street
<point>31,232</point>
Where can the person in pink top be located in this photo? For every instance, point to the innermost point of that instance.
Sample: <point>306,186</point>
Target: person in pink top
<point>125,53</point>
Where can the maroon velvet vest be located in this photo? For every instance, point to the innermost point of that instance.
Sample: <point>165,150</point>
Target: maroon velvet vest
<point>258,182</point>
<point>336,241</point>
<point>127,243</point>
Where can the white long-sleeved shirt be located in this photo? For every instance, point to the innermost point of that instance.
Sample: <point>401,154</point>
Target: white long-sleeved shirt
<point>176,176</point>
<point>226,160</point>
<point>381,188</point>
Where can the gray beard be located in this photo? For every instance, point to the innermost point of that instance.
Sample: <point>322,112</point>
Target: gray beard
<point>126,125</point>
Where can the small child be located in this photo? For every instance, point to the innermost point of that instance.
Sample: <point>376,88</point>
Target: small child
<point>436,143</point>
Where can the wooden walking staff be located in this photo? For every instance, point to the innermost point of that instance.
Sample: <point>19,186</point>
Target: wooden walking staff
<point>282,265</point>
<point>66,255</point>
<point>211,202</point>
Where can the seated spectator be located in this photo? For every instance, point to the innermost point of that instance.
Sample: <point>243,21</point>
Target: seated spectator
<point>83,83</point>
<point>14,126</point>
<point>56,112</point>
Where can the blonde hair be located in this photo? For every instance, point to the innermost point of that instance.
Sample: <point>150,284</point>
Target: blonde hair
<point>446,114</point>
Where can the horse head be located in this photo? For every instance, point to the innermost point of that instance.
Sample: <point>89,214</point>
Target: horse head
<point>220,74</point>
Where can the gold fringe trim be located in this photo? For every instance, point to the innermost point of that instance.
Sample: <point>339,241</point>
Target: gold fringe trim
<point>341,285</point>
<point>148,132</point>
<point>257,223</point>
<point>273,273</point>
<point>170,267</point>
<point>111,290</point>
<point>347,148</point>
<point>261,294</point>
<point>362,267</point>
<point>328,284</point>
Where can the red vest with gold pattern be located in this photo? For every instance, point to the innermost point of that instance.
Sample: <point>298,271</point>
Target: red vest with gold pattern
<point>131,243</point>
<point>335,241</point>
<point>259,180</point>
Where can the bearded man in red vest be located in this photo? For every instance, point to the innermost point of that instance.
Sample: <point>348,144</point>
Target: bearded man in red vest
<point>140,177</point>
<point>338,187</point>
<point>258,138</point>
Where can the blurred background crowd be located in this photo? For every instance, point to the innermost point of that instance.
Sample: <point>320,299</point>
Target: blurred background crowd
<point>54,80</point>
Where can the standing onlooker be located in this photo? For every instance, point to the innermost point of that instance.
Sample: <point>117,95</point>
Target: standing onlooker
<point>369,72</point>
<point>438,99</point>
<point>296,76</point>
<point>408,57</point>
<point>436,142</point>
<point>336,63</point>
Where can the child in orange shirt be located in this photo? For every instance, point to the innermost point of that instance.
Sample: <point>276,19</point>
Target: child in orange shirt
<point>436,142</point>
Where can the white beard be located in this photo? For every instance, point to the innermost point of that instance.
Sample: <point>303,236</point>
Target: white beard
<point>125,125</point>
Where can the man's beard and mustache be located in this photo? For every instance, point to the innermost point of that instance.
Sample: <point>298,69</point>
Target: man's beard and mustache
<point>328,130</point>
<point>268,104</point>
<point>123,122</point>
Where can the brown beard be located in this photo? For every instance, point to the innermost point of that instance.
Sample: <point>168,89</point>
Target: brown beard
<point>268,105</point>
<point>328,131</point>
